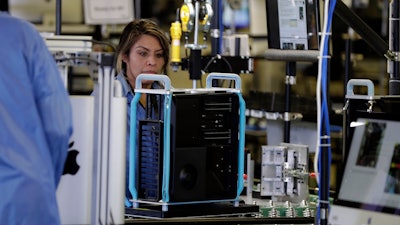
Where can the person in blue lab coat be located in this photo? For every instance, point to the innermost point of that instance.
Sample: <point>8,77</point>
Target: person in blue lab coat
<point>35,126</point>
<point>143,48</point>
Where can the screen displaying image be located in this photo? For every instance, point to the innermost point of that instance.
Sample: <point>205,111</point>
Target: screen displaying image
<point>370,145</point>
<point>392,184</point>
<point>371,177</point>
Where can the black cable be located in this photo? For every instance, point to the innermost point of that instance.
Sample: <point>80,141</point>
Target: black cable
<point>223,59</point>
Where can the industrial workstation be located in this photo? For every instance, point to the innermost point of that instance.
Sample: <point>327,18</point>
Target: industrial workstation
<point>204,111</point>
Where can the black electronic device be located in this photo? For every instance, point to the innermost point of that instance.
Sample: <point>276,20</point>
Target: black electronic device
<point>203,149</point>
<point>369,185</point>
<point>293,25</point>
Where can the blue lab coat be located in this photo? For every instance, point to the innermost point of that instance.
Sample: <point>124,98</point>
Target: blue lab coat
<point>35,126</point>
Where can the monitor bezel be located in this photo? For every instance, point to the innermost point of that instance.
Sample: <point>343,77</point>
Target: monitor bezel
<point>273,32</point>
<point>354,115</point>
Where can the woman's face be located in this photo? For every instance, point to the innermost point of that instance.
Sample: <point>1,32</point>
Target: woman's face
<point>145,56</point>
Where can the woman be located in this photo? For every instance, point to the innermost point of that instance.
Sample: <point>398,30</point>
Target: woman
<point>143,48</point>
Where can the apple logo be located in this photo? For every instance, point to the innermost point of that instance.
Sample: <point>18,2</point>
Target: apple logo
<point>71,166</point>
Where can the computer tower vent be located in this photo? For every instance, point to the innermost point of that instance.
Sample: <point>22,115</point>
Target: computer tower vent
<point>150,159</point>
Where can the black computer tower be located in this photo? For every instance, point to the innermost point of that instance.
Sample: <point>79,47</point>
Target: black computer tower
<point>203,145</point>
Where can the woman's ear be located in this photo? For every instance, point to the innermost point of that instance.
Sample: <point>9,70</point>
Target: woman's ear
<point>125,58</point>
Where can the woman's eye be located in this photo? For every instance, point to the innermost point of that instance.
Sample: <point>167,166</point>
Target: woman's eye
<point>143,53</point>
<point>160,55</point>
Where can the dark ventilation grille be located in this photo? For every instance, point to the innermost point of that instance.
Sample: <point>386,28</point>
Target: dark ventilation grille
<point>150,159</point>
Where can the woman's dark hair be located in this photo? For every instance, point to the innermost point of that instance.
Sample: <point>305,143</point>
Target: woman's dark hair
<point>130,35</point>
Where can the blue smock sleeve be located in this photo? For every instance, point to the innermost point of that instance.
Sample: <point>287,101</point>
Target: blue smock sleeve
<point>36,125</point>
<point>53,105</point>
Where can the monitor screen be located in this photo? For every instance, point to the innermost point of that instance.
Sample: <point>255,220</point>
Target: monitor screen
<point>369,191</point>
<point>372,174</point>
<point>292,25</point>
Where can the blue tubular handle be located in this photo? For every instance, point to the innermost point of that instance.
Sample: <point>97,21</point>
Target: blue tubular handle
<point>167,145</point>
<point>359,82</point>
<point>226,76</point>
<point>132,147</point>
<point>156,77</point>
<point>242,125</point>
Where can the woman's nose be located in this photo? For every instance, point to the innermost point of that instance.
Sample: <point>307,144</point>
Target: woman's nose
<point>151,60</point>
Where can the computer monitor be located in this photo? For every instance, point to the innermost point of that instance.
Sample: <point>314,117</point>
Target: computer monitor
<point>369,191</point>
<point>293,25</point>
